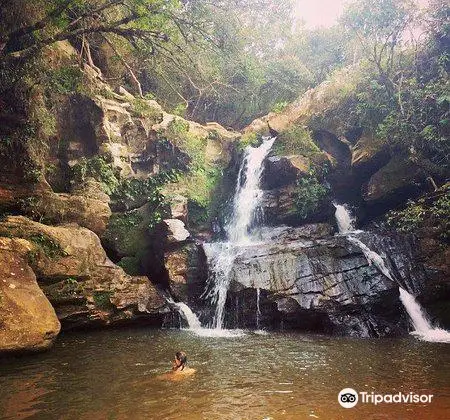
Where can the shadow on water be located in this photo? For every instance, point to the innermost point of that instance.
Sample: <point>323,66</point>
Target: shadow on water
<point>112,375</point>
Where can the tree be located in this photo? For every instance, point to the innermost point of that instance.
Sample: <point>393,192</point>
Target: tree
<point>407,91</point>
<point>136,21</point>
<point>379,26</point>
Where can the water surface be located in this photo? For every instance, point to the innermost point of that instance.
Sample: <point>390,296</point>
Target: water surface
<point>112,375</point>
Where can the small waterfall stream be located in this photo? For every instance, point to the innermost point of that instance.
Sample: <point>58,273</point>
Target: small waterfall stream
<point>422,326</point>
<point>344,218</point>
<point>258,309</point>
<point>186,313</point>
<point>240,230</point>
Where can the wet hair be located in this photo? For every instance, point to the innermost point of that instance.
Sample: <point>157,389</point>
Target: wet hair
<point>181,356</point>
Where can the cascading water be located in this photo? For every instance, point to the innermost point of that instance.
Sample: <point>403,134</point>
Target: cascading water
<point>422,326</point>
<point>186,312</point>
<point>344,219</point>
<point>248,195</point>
<point>240,229</point>
<point>258,309</point>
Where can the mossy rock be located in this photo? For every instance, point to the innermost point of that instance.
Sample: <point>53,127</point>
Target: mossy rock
<point>128,233</point>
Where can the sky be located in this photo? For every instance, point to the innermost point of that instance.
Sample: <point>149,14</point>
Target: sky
<point>317,13</point>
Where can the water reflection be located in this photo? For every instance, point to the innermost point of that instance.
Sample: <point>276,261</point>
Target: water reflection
<point>112,375</point>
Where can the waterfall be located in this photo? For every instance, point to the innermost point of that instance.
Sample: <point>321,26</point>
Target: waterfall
<point>344,219</point>
<point>372,257</point>
<point>190,317</point>
<point>422,326</point>
<point>248,195</point>
<point>258,310</point>
<point>186,313</point>
<point>240,229</point>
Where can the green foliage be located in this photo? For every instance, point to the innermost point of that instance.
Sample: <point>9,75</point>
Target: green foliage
<point>46,245</point>
<point>195,146</point>
<point>126,193</point>
<point>296,140</point>
<point>309,194</point>
<point>130,265</point>
<point>127,232</point>
<point>180,110</point>
<point>102,299</point>
<point>248,139</point>
<point>142,109</point>
<point>98,168</point>
<point>430,213</point>
<point>408,219</point>
<point>131,191</point>
<point>125,221</point>
<point>279,107</point>
<point>178,127</point>
<point>65,80</point>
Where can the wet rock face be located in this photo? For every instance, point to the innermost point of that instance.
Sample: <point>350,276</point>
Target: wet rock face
<point>27,320</point>
<point>186,269</point>
<point>312,281</point>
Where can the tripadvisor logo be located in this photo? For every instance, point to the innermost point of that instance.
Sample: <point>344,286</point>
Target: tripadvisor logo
<point>348,398</point>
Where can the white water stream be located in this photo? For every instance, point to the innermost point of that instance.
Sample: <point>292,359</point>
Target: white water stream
<point>422,326</point>
<point>240,229</point>
<point>221,255</point>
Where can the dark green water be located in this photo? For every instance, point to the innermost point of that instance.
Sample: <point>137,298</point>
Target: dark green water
<point>112,375</point>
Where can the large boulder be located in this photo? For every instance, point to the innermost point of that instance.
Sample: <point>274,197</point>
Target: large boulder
<point>91,213</point>
<point>280,208</point>
<point>315,107</point>
<point>280,171</point>
<point>83,285</point>
<point>187,273</point>
<point>369,155</point>
<point>27,320</point>
<point>394,182</point>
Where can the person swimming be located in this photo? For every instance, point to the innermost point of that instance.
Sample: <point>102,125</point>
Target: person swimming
<point>179,364</point>
<point>179,369</point>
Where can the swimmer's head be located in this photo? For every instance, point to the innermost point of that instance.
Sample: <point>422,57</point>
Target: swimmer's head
<point>181,356</point>
<point>180,360</point>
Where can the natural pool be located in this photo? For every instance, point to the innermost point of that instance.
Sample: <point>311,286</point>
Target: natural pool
<point>112,375</point>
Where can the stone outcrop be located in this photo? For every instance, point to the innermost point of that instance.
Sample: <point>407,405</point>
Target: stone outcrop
<point>91,213</point>
<point>27,320</point>
<point>369,155</point>
<point>186,267</point>
<point>313,281</point>
<point>80,281</point>
<point>279,206</point>
<point>366,170</point>
<point>176,231</point>
<point>280,171</point>
<point>394,182</point>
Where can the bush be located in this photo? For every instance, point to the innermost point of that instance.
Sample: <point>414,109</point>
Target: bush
<point>142,109</point>
<point>67,79</point>
<point>98,168</point>
<point>248,139</point>
<point>309,194</point>
<point>279,107</point>
<point>296,140</point>
<point>424,213</point>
